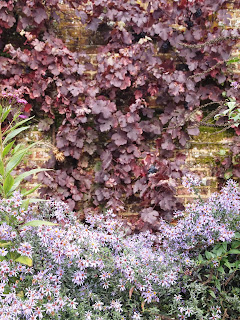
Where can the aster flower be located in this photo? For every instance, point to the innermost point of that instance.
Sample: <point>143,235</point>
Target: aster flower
<point>88,315</point>
<point>98,305</point>
<point>3,252</point>
<point>136,316</point>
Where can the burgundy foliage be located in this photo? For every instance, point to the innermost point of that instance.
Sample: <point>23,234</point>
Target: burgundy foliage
<point>118,150</point>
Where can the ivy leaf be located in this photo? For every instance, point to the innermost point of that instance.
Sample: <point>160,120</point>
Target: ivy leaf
<point>82,15</point>
<point>38,45</point>
<point>106,158</point>
<point>76,89</point>
<point>40,15</point>
<point>149,215</point>
<point>193,131</point>
<point>119,139</point>
<point>106,108</point>
<point>134,134</point>
<point>105,125</point>
<point>54,68</point>
<point>93,25</point>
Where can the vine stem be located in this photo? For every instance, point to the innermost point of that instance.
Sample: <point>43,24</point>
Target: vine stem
<point>210,42</point>
<point>229,278</point>
<point>206,71</point>
<point>225,315</point>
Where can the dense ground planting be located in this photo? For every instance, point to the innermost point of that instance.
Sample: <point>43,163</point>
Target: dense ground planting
<point>118,151</point>
<point>71,270</point>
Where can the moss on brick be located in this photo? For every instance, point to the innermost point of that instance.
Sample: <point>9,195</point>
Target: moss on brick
<point>212,135</point>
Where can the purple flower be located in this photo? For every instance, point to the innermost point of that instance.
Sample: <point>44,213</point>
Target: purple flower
<point>22,116</point>
<point>235,85</point>
<point>23,101</point>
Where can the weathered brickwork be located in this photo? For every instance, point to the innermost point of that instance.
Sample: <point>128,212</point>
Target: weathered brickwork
<point>39,155</point>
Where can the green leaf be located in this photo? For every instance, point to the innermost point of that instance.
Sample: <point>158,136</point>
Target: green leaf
<point>209,255</point>
<point>237,235</point>
<point>234,251</point>
<point>212,294</point>
<point>18,124</point>
<point>22,176</point>
<point>8,183</point>
<point>1,167</point>
<point>235,244</point>
<point>17,148</point>
<point>25,204</point>
<point>5,244</point>
<point>17,158</point>
<point>7,148</point>
<point>5,113</point>
<point>228,265</point>
<point>220,269</point>
<point>37,223</point>
<point>25,260</point>
<point>234,60</point>
<point>98,166</point>
<point>14,133</point>
<point>222,152</point>
<point>220,251</point>
<point>228,174</point>
<point>224,245</point>
<point>14,161</point>
<point>200,258</point>
<point>218,284</point>
<point>15,117</point>
<point>26,193</point>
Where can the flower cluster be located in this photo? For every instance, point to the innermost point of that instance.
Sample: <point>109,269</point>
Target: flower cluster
<point>93,271</point>
<point>235,85</point>
<point>191,182</point>
<point>205,223</point>
<point>14,97</point>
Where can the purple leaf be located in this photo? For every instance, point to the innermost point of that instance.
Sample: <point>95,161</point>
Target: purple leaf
<point>93,25</point>
<point>105,107</point>
<point>134,134</point>
<point>82,15</point>
<point>106,158</point>
<point>40,15</point>
<point>119,138</point>
<point>38,45</point>
<point>76,89</point>
<point>193,131</point>
<point>149,215</point>
<point>105,125</point>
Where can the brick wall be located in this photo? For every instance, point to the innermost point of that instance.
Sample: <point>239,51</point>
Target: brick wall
<point>39,155</point>
<point>201,152</point>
